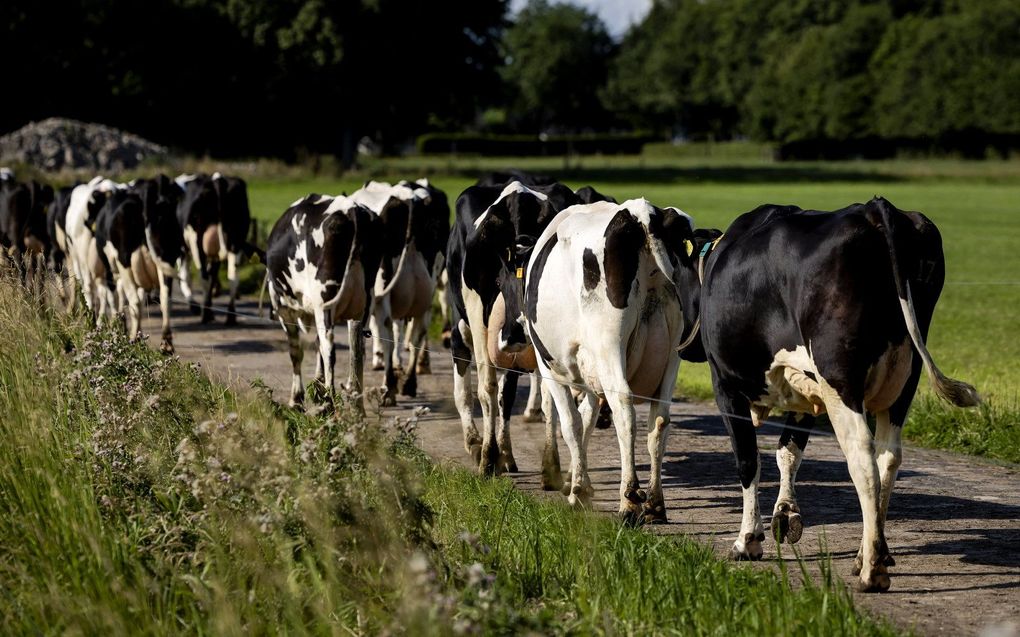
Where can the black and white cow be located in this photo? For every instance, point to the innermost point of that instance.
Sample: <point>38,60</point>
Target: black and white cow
<point>140,240</point>
<point>87,263</point>
<point>215,218</point>
<point>611,292</point>
<point>415,218</point>
<point>494,232</point>
<point>322,259</point>
<point>813,312</point>
<point>23,233</point>
<point>56,217</point>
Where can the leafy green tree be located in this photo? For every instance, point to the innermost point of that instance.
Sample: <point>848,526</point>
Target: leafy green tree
<point>556,59</point>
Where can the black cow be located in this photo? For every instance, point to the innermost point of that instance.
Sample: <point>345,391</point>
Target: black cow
<point>322,259</point>
<point>215,218</point>
<point>493,234</point>
<point>813,312</point>
<point>23,224</point>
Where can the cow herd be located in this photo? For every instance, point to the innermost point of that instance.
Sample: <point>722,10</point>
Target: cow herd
<point>797,311</point>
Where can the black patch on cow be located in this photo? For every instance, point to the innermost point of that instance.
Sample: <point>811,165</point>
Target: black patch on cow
<point>591,269</point>
<point>531,306</point>
<point>624,239</point>
<point>299,265</point>
<point>810,375</point>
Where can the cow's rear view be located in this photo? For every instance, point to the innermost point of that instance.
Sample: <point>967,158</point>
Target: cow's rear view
<point>815,312</point>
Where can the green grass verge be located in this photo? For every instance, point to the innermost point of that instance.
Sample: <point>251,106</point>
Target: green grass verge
<point>139,497</point>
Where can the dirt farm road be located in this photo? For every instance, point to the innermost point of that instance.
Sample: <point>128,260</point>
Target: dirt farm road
<point>954,521</point>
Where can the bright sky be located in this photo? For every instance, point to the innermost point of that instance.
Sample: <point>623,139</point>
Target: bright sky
<point>617,14</point>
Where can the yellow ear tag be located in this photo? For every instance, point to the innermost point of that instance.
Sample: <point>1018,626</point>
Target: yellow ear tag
<point>689,246</point>
<point>520,273</point>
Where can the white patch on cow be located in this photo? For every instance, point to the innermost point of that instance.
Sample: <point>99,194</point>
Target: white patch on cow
<point>375,194</point>
<point>299,201</point>
<point>217,175</point>
<point>423,182</point>
<point>184,180</point>
<point>513,187</point>
<point>191,240</point>
<point>340,204</point>
<point>318,236</point>
<point>322,199</point>
<point>6,174</point>
<point>298,223</point>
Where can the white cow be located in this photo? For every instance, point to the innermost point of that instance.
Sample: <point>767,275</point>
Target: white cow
<point>87,265</point>
<point>610,291</point>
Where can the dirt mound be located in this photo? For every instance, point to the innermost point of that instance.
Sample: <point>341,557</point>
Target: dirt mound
<point>57,143</point>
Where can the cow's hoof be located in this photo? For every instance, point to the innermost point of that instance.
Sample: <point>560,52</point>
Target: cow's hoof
<point>195,308</point>
<point>533,415</point>
<point>878,582</point>
<point>490,462</point>
<point>423,369</point>
<point>580,496</point>
<point>508,463</point>
<point>410,387</point>
<point>476,453</point>
<point>296,404</point>
<point>655,513</point>
<point>208,317</point>
<point>231,319</point>
<point>631,515</point>
<point>166,347</point>
<point>787,525</point>
<point>388,400</point>
<point>887,560</point>
<point>552,480</point>
<point>750,550</point>
<point>378,367</point>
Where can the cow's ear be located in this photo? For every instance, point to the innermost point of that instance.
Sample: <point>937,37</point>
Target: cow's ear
<point>675,229</point>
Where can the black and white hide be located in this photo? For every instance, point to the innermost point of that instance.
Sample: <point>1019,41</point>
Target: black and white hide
<point>811,312</point>
<point>23,234</point>
<point>140,241</point>
<point>493,235</point>
<point>87,264</point>
<point>611,292</point>
<point>322,259</point>
<point>416,224</point>
<point>215,219</point>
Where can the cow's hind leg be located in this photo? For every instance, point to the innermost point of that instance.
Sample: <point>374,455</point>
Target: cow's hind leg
<point>383,326</point>
<point>658,433</point>
<point>290,326</point>
<point>507,397</point>
<point>552,478</point>
<point>632,497</point>
<point>327,352</point>
<point>166,346</point>
<point>736,414</point>
<point>212,275</point>
<point>233,281</point>
<point>858,446</point>
<point>579,491</point>
<point>786,522</point>
<point>462,391</point>
<point>417,329</point>
<point>533,411</point>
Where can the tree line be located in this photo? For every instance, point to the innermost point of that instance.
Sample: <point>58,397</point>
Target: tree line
<point>246,77</point>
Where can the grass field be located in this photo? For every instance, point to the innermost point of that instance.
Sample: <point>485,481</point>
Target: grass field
<point>975,335</point>
<point>139,497</point>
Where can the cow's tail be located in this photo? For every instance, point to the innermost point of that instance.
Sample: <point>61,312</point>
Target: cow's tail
<point>397,272</point>
<point>949,389</point>
<point>262,291</point>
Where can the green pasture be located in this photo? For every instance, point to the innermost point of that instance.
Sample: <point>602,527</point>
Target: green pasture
<point>976,205</point>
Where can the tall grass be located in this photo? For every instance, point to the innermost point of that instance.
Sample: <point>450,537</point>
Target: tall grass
<point>138,497</point>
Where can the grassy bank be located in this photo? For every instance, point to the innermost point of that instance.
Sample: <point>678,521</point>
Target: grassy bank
<point>137,496</point>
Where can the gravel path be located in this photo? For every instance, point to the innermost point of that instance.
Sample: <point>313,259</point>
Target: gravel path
<point>954,521</point>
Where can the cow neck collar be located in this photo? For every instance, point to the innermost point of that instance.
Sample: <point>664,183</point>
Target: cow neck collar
<point>702,256</point>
